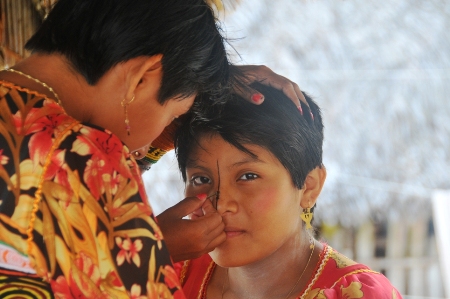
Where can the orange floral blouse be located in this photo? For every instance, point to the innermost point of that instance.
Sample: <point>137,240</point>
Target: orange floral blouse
<point>335,277</point>
<point>74,218</point>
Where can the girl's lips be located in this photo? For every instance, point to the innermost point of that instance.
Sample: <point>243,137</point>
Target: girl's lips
<point>233,232</point>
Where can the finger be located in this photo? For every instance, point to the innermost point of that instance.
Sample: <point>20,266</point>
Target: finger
<point>250,94</point>
<point>299,94</point>
<point>192,216</point>
<point>264,75</point>
<point>208,223</point>
<point>222,237</point>
<point>217,230</point>
<point>216,237</point>
<point>208,208</point>
<point>197,213</point>
<point>187,206</point>
<point>286,86</point>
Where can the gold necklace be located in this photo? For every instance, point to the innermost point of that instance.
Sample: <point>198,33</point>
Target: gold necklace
<point>37,81</point>
<point>312,246</point>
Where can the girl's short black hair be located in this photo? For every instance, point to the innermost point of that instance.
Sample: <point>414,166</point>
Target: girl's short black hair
<point>276,125</point>
<point>96,35</point>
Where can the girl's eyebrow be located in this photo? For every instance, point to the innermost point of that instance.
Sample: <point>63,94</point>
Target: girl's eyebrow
<point>194,163</point>
<point>248,160</point>
<point>197,167</point>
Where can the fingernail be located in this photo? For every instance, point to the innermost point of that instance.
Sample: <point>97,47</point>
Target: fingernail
<point>257,98</point>
<point>300,109</point>
<point>312,116</point>
<point>202,196</point>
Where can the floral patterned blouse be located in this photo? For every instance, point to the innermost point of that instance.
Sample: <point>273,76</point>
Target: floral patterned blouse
<point>335,277</point>
<point>74,218</point>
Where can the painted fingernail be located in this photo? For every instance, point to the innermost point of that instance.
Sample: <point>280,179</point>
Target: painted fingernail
<point>312,115</point>
<point>257,98</point>
<point>300,109</point>
<point>202,196</point>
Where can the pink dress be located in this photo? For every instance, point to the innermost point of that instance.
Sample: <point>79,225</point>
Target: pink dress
<point>335,277</point>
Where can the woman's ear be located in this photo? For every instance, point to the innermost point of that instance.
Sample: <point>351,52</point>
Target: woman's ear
<point>313,186</point>
<point>145,70</point>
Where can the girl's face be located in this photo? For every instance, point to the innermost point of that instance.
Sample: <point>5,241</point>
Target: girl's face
<point>259,203</point>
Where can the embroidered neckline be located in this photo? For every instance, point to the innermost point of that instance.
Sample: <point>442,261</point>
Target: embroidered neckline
<point>206,279</point>
<point>184,271</point>
<point>323,260</point>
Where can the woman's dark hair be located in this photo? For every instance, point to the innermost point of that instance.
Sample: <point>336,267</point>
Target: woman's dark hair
<point>276,125</point>
<point>96,35</point>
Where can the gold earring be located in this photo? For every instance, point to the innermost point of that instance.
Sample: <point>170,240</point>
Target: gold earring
<point>307,216</point>
<point>127,121</point>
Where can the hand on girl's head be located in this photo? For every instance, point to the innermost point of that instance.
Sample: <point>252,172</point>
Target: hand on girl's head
<point>249,74</point>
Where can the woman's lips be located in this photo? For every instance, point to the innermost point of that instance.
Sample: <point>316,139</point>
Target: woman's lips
<point>233,232</point>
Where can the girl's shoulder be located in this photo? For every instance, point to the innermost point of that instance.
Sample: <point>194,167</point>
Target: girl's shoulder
<point>337,276</point>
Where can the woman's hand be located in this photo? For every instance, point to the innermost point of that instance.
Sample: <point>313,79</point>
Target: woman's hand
<point>190,238</point>
<point>264,75</point>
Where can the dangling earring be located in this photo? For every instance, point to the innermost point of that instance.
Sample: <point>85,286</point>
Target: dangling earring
<point>307,216</point>
<point>127,121</point>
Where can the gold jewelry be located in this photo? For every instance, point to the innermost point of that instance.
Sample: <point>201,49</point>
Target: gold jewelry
<point>312,246</point>
<point>125,107</point>
<point>307,216</point>
<point>136,154</point>
<point>37,81</point>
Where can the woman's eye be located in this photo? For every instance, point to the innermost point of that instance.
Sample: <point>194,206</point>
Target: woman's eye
<point>200,180</point>
<point>249,177</point>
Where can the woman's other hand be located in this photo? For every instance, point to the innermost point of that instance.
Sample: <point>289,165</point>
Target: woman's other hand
<point>190,238</point>
<point>261,73</point>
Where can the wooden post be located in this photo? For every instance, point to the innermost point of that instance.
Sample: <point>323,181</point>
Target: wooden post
<point>416,273</point>
<point>365,243</point>
<point>433,278</point>
<point>396,249</point>
<point>441,218</point>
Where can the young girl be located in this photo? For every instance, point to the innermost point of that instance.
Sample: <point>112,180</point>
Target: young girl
<point>262,168</point>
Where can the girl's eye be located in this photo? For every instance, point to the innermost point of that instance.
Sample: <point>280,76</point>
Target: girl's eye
<point>248,177</point>
<point>200,180</point>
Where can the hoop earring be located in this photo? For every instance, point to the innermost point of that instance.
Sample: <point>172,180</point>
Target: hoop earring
<point>125,108</point>
<point>307,216</point>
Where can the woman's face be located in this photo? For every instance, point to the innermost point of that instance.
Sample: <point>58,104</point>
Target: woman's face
<point>147,117</point>
<point>148,121</point>
<point>259,204</point>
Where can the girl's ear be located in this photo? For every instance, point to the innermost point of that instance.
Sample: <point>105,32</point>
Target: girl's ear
<point>313,186</point>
